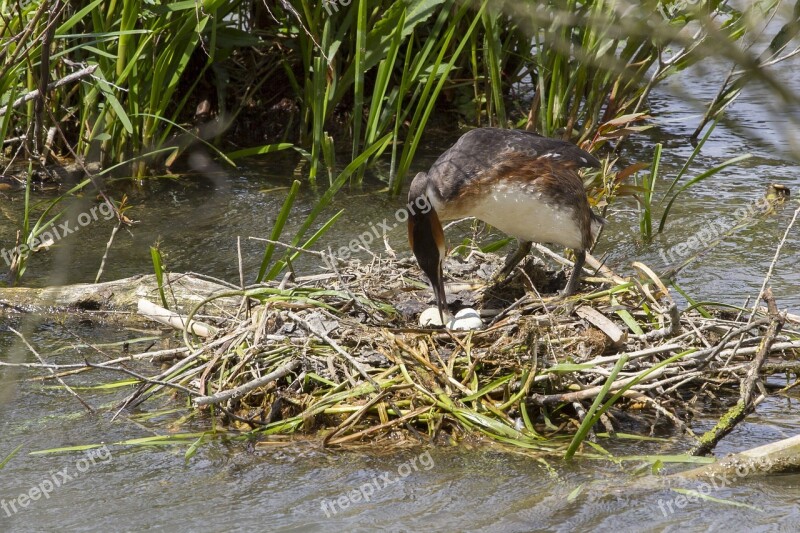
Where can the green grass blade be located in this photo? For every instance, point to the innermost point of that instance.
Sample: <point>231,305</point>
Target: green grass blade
<point>646,207</point>
<point>590,419</point>
<point>8,457</point>
<point>277,229</point>
<point>702,176</point>
<point>258,150</point>
<point>158,268</point>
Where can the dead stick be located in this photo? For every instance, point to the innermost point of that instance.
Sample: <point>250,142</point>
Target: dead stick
<point>585,394</point>
<point>39,357</point>
<point>82,73</point>
<point>247,387</point>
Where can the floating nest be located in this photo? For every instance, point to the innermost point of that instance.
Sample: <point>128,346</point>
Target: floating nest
<point>340,355</point>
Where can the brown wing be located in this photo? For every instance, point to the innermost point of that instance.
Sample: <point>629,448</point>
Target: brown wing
<point>484,149</point>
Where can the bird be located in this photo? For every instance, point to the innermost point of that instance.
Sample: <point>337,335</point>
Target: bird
<point>524,184</point>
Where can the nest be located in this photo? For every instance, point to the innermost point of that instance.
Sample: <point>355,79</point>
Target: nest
<point>339,355</point>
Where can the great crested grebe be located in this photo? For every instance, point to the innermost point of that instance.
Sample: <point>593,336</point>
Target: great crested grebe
<point>523,184</point>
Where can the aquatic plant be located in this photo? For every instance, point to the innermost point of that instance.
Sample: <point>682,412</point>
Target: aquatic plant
<point>115,82</point>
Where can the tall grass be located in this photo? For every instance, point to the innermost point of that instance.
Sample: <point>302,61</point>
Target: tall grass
<point>127,108</point>
<point>375,67</point>
<point>367,77</point>
<point>357,72</point>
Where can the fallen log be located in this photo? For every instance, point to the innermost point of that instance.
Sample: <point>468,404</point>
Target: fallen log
<point>773,458</point>
<point>183,292</point>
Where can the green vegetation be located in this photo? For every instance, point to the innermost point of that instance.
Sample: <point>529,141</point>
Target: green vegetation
<point>353,73</point>
<point>126,86</point>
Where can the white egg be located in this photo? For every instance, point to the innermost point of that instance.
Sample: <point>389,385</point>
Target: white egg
<point>466,319</point>
<point>430,317</point>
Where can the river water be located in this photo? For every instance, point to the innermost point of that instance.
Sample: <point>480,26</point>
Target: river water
<point>298,486</point>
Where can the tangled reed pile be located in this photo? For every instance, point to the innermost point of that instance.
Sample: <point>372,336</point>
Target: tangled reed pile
<point>340,355</point>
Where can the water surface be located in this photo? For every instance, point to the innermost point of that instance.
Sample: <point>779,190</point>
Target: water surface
<point>237,486</point>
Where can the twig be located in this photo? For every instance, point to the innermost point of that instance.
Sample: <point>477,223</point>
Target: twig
<point>703,356</point>
<point>585,394</point>
<point>317,253</point>
<point>108,249</point>
<point>143,379</point>
<point>677,422</point>
<point>241,390</point>
<point>88,71</point>
<point>771,268</point>
<point>670,331</point>
<point>338,349</point>
<point>634,355</point>
<point>80,366</point>
<point>766,343</point>
<point>39,357</point>
<point>137,397</point>
<point>746,403</point>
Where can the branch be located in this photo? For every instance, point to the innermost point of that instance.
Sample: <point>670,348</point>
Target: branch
<point>247,387</point>
<point>39,357</point>
<point>82,73</point>
<point>747,403</point>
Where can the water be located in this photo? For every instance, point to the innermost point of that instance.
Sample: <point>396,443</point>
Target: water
<point>297,486</point>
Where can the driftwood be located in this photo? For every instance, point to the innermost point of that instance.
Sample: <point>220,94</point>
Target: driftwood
<point>183,291</point>
<point>174,320</point>
<point>773,458</point>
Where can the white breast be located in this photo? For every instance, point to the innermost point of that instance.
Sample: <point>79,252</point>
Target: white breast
<point>522,213</point>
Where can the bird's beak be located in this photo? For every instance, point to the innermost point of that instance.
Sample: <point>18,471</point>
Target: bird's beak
<point>426,238</point>
<point>437,282</point>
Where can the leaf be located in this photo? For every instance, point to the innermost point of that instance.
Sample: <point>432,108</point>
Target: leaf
<point>569,367</point>
<point>708,173</point>
<point>228,37</point>
<point>277,229</point>
<point>625,119</point>
<point>695,494</point>
<point>8,457</point>
<point>629,170</point>
<point>593,415</point>
<point>192,449</point>
<point>576,492</point>
<point>108,91</point>
<point>622,132</point>
<point>488,388</point>
<point>259,150</point>
<point>158,268</point>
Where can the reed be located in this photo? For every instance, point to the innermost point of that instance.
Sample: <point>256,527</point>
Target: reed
<point>358,72</point>
<point>139,53</point>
